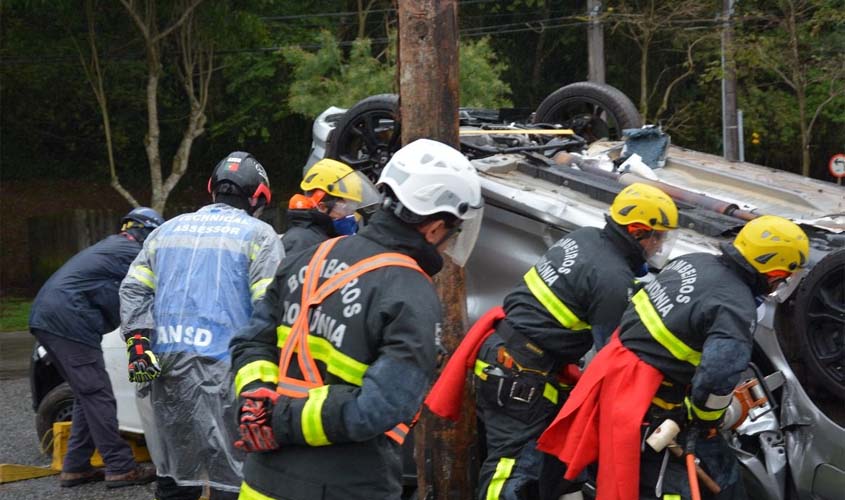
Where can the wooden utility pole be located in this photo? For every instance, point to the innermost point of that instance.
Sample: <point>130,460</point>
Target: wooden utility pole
<point>428,97</point>
<point>595,42</point>
<point>730,143</point>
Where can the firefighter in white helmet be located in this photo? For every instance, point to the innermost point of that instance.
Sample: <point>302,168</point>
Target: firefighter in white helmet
<point>355,324</point>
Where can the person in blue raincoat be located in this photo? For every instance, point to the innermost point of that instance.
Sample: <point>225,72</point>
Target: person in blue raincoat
<point>189,290</point>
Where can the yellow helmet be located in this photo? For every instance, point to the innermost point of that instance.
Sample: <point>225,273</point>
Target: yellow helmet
<point>643,204</point>
<point>333,177</point>
<point>770,243</point>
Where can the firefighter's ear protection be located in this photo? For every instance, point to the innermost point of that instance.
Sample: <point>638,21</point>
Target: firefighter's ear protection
<point>306,201</point>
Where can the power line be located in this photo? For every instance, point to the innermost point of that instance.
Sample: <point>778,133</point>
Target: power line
<point>353,12</point>
<point>552,23</point>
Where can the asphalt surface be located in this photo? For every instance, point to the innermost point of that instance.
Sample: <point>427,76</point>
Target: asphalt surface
<point>19,443</point>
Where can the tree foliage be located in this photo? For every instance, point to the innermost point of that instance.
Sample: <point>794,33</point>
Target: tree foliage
<point>513,50</point>
<point>655,29</point>
<point>327,76</point>
<point>792,55</point>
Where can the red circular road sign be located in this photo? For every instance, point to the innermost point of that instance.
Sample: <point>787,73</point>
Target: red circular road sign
<point>837,165</point>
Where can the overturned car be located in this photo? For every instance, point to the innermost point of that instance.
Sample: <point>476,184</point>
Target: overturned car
<point>558,169</point>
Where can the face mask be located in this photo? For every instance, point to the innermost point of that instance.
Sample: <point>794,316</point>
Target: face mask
<point>346,225</point>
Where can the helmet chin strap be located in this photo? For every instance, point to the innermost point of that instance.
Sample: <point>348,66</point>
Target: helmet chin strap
<point>452,231</point>
<point>398,209</point>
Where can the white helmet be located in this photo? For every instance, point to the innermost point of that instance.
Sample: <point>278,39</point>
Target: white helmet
<point>428,177</point>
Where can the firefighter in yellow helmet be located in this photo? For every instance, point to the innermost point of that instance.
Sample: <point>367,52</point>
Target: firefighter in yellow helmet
<point>332,194</point>
<point>684,341</point>
<point>568,302</point>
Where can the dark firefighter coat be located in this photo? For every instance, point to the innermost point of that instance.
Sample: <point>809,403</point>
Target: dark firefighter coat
<point>375,345</point>
<point>80,301</point>
<point>576,293</point>
<point>694,325</point>
<point>306,228</point>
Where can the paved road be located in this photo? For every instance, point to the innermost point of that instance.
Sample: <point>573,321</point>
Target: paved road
<point>19,445</point>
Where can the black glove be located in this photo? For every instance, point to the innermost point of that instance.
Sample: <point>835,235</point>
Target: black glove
<point>255,420</point>
<point>702,424</point>
<point>143,364</point>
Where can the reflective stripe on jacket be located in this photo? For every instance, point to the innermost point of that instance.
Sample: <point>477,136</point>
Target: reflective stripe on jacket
<point>197,277</point>
<point>694,323</point>
<point>298,339</point>
<point>374,347</point>
<point>575,295</point>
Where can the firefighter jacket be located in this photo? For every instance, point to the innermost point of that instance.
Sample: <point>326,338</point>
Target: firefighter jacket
<point>306,228</point>
<point>575,295</point>
<point>375,344</point>
<point>695,323</point>
<point>80,301</point>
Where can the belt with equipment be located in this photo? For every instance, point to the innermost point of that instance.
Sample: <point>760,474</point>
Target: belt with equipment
<point>522,371</point>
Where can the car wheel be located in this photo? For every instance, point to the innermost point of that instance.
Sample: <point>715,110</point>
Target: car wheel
<point>819,322</point>
<point>367,135</point>
<point>592,110</point>
<point>57,406</point>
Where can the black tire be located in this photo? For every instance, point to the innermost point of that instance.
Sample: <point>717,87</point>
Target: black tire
<point>367,135</point>
<point>57,406</point>
<point>819,322</point>
<point>593,110</point>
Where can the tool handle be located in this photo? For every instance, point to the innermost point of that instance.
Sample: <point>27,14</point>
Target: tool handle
<point>703,476</point>
<point>692,471</point>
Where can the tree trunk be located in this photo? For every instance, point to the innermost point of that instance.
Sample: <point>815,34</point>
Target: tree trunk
<point>94,74</point>
<point>805,133</point>
<point>539,56</point>
<point>645,47</point>
<point>151,141</point>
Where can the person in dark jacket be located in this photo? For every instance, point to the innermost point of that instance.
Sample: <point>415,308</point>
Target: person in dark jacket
<point>568,302</point>
<point>333,193</point>
<point>366,339</point>
<point>70,314</point>
<point>684,341</point>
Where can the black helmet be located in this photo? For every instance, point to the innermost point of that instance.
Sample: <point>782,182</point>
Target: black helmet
<point>142,217</point>
<point>239,173</point>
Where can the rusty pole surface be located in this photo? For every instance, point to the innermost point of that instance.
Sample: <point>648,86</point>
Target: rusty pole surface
<point>428,90</point>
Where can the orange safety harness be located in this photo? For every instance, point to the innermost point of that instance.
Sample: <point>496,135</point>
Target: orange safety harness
<point>313,295</point>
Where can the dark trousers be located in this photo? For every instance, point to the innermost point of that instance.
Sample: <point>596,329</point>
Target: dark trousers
<point>514,467</point>
<point>94,407</point>
<point>167,489</point>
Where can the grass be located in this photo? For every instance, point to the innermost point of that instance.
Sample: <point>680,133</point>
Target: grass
<point>14,314</point>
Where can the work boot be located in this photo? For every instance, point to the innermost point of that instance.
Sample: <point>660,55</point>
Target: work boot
<point>142,474</point>
<point>71,479</point>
